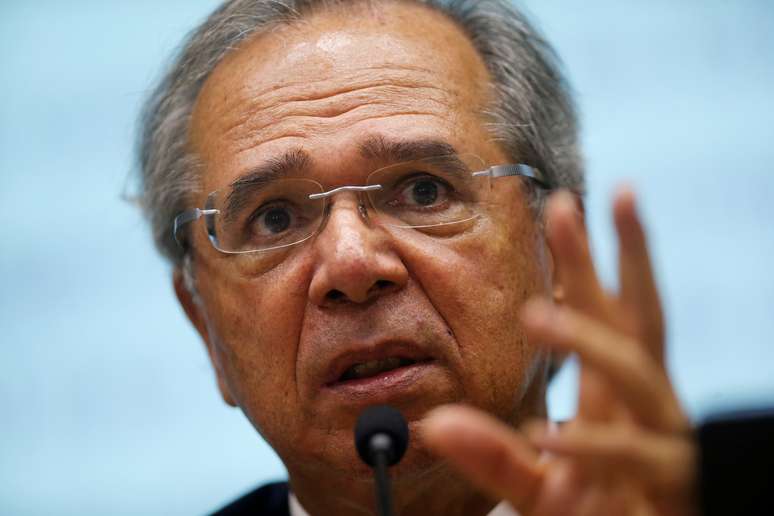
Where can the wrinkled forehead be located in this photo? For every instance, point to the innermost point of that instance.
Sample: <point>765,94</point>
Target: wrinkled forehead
<point>333,75</point>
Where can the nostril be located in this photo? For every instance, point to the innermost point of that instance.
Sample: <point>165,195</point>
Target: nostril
<point>383,284</point>
<point>335,295</point>
<point>380,287</point>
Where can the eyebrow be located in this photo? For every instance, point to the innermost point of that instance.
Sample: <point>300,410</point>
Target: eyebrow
<point>429,150</point>
<point>291,162</point>
<point>380,148</point>
<point>373,148</point>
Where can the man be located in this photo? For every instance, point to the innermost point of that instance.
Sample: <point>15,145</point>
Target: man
<point>351,194</point>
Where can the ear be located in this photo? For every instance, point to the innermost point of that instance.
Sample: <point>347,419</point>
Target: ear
<point>196,315</point>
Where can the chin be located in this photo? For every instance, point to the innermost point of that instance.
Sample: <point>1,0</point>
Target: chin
<point>331,453</point>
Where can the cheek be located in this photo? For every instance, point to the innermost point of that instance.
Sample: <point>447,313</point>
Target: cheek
<point>254,324</point>
<point>478,282</point>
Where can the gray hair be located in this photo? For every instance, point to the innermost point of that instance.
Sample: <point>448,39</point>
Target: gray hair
<point>532,116</point>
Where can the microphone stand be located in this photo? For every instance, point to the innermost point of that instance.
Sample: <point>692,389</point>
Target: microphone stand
<point>381,439</point>
<point>381,449</point>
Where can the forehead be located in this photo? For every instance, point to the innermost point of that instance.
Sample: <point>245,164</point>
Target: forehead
<point>322,83</point>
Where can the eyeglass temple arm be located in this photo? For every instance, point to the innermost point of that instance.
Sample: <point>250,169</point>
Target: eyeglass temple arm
<point>186,217</point>
<point>519,169</point>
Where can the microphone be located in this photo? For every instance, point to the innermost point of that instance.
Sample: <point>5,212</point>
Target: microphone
<point>381,439</point>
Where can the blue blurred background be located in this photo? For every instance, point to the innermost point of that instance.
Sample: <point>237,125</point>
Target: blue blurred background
<point>108,402</point>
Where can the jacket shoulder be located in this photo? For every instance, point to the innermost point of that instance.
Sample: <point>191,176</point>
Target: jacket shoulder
<point>267,500</point>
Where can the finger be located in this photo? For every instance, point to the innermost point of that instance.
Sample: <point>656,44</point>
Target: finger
<point>569,491</point>
<point>595,401</point>
<point>572,257</point>
<point>639,293</point>
<point>634,376</point>
<point>560,491</point>
<point>490,454</point>
<point>593,502</point>
<point>665,463</point>
<point>578,279</point>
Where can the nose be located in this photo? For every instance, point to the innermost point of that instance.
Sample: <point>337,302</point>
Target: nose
<point>356,261</point>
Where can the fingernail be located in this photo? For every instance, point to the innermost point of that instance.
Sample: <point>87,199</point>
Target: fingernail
<point>433,425</point>
<point>446,427</point>
<point>441,419</point>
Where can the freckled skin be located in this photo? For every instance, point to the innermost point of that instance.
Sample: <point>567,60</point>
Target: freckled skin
<point>404,72</point>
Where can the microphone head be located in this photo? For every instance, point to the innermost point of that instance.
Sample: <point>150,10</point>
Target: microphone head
<point>381,419</point>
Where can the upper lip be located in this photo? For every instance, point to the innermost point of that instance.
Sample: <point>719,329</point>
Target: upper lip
<point>377,351</point>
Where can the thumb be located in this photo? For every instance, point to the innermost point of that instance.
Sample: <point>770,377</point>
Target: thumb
<point>492,455</point>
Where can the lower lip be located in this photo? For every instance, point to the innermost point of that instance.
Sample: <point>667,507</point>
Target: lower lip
<point>384,386</point>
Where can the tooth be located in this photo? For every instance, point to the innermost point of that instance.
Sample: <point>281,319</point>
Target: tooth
<point>373,367</point>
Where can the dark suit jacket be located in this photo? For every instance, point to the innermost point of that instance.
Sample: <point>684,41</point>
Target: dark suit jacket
<point>268,500</point>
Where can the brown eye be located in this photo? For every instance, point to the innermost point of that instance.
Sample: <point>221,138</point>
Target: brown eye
<point>424,192</point>
<point>272,221</point>
<point>275,220</point>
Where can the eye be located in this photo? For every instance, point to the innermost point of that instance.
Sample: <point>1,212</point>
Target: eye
<point>272,220</point>
<point>424,191</point>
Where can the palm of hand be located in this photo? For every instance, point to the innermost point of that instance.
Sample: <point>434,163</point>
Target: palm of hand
<point>628,452</point>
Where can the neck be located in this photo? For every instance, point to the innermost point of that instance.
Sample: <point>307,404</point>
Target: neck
<point>433,491</point>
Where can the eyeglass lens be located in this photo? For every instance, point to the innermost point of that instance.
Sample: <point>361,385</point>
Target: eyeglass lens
<point>418,194</point>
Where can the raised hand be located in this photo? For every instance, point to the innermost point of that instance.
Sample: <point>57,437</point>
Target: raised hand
<point>629,451</point>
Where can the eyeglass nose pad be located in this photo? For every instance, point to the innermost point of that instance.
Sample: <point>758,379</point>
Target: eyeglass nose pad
<point>362,208</point>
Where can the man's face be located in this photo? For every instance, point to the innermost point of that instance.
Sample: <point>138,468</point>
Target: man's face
<point>343,89</point>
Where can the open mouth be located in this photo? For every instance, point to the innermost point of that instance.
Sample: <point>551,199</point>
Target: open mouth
<point>371,368</point>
